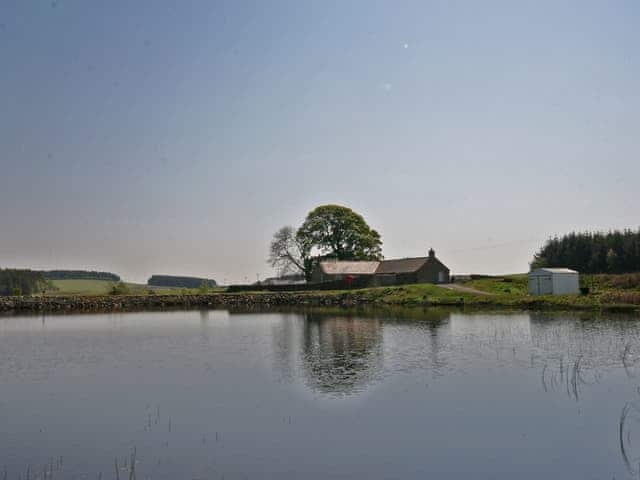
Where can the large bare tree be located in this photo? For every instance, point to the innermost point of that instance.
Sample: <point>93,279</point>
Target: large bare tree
<point>286,253</point>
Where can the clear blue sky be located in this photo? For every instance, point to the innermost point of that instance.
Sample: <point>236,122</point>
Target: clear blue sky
<point>175,137</point>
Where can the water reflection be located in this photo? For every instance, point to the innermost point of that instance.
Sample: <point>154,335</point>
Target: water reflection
<point>629,447</point>
<point>557,385</point>
<point>341,355</point>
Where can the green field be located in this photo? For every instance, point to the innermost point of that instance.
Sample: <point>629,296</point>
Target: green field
<point>103,287</point>
<point>507,285</point>
<point>606,291</point>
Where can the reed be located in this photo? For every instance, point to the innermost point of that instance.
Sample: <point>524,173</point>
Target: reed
<point>132,468</point>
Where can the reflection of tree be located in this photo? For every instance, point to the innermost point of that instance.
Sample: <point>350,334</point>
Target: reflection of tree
<point>341,355</point>
<point>340,351</point>
<point>286,345</point>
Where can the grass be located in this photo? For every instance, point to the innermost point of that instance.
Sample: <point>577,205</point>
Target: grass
<point>604,291</point>
<point>103,287</point>
<point>81,287</point>
<point>505,291</point>
<point>415,295</point>
<point>625,281</point>
<point>506,285</point>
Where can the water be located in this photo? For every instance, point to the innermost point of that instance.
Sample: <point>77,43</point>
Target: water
<point>393,394</point>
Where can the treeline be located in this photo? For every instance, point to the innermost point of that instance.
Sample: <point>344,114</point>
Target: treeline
<point>20,282</point>
<point>80,275</point>
<point>182,282</point>
<point>599,252</point>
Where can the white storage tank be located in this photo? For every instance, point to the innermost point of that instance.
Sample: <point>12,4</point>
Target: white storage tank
<point>554,281</point>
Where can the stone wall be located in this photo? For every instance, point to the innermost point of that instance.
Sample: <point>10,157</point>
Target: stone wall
<point>159,302</point>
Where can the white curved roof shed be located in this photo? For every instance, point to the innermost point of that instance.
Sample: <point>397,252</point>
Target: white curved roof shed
<point>554,281</point>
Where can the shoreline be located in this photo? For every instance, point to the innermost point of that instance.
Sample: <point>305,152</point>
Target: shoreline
<point>357,298</point>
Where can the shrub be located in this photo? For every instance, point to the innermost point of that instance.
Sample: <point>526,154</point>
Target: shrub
<point>627,280</point>
<point>632,298</point>
<point>120,288</point>
<point>204,288</point>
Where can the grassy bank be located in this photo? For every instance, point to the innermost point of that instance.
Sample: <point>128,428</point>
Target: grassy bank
<point>607,293</point>
<point>508,291</point>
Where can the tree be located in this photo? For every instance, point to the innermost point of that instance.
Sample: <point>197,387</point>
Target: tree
<point>120,288</point>
<point>612,260</point>
<point>286,253</point>
<point>203,289</point>
<point>329,231</point>
<point>592,252</point>
<point>538,262</point>
<point>339,232</point>
<point>20,282</point>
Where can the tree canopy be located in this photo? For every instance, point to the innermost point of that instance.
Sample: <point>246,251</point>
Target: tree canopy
<point>80,275</point>
<point>339,232</point>
<point>329,231</point>
<point>177,281</point>
<point>599,252</point>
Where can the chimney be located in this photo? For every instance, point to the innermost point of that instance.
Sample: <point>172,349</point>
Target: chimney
<point>432,253</point>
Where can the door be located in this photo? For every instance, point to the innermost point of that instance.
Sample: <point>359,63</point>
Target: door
<point>545,285</point>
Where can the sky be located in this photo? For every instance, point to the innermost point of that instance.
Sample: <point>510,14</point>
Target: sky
<point>176,137</point>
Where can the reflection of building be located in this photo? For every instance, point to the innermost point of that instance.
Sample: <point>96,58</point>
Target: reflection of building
<point>341,354</point>
<point>345,353</point>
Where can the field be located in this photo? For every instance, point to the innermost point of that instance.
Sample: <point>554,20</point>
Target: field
<point>103,287</point>
<point>506,285</point>
<point>605,292</point>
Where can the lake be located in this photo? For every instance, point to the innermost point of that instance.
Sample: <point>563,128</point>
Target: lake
<point>322,394</point>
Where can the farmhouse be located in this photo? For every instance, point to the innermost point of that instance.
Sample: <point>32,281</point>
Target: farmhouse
<point>553,281</point>
<point>333,270</point>
<point>386,272</point>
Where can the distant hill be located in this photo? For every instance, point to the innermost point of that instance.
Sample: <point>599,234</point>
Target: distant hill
<point>80,275</point>
<point>182,282</point>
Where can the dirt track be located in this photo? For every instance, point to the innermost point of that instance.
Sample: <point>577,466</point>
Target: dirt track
<point>462,288</point>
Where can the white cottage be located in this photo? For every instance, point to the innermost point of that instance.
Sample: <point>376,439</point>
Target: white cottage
<point>554,281</point>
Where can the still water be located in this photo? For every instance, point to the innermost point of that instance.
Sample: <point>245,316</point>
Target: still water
<point>392,394</point>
